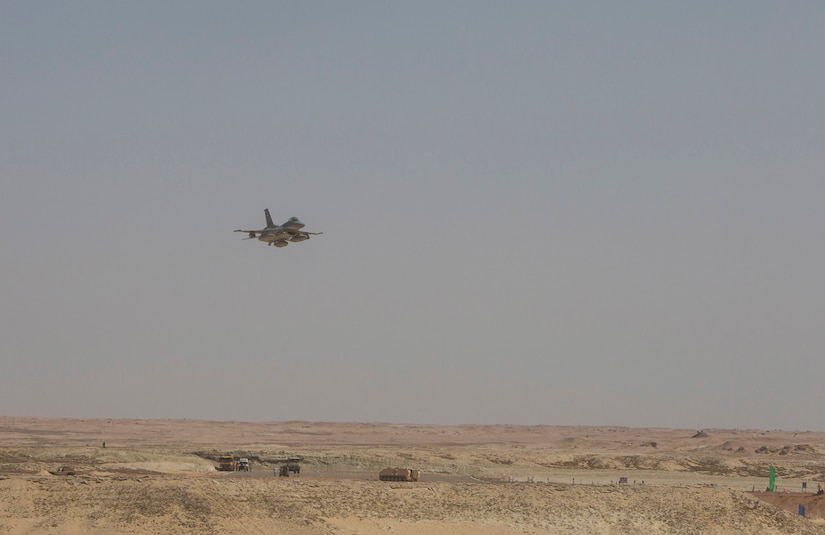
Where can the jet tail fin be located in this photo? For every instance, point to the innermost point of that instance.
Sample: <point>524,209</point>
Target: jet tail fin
<point>269,222</point>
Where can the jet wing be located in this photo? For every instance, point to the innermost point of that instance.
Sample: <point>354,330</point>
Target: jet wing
<point>278,231</point>
<point>278,235</point>
<point>252,233</point>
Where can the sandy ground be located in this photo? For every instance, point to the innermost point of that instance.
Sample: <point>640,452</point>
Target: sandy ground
<point>158,476</point>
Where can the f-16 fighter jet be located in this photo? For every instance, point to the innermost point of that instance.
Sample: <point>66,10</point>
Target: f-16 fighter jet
<point>280,235</point>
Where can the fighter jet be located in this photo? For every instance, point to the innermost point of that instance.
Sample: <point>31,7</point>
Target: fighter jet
<point>280,235</point>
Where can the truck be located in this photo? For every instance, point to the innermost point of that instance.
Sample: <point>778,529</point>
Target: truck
<point>293,464</point>
<point>226,463</point>
<point>243,465</point>
<point>399,474</point>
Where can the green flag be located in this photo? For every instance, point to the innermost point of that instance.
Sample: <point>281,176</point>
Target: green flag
<point>772,481</point>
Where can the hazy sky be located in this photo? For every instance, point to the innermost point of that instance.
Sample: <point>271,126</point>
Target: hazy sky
<point>585,213</point>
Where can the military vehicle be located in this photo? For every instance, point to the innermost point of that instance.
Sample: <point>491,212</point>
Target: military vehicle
<point>399,474</point>
<point>226,463</point>
<point>293,464</point>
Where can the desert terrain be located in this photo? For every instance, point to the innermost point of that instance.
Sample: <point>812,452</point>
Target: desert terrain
<point>160,477</point>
